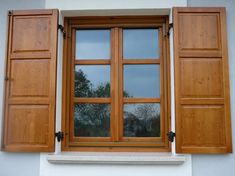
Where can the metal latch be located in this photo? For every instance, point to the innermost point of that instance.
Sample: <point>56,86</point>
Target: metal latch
<point>171,136</point>
<point>59,135</point>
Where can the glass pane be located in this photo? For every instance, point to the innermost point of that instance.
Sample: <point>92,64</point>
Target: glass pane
<point>142,81</point>
<point>92,81</point>
<point>140,44</point>
<point>142,120</point>
<point>93,44</point>
<point>92,120</point>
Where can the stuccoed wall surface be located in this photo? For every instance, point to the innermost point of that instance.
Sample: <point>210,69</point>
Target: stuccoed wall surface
<point>217,165</point>
<point>11,164</point>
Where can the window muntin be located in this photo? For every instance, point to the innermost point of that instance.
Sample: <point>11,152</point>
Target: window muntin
<point>154,94</point>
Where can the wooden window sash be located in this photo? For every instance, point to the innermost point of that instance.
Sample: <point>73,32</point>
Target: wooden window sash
<point>116,63</point>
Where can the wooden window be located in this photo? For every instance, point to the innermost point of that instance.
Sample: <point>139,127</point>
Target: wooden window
<point>201,81</point>
<point>115,85</point>
<point>30,87</point>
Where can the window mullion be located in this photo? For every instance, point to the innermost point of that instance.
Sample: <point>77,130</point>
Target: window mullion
<point>115,85</point>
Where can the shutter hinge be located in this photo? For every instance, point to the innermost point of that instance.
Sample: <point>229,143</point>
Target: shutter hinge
<point>61,28</point>
<point>169,28</point>
<point>60,136</point>
<point>10,12</point>
<point>171,136</point>
<point>6,78</point>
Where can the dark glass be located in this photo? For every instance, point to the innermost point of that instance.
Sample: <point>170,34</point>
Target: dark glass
<point>140,44</point>
<point>142,120</point>
<point>93,44</point>
<point>92,81</point>
<point>92,120</point>
<point>142,81</point>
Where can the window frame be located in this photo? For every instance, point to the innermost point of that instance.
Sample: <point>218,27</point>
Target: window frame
<point>116,67</point>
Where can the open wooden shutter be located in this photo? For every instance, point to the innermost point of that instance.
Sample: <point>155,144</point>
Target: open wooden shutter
<point>30,90</point>
<point>201,81</point>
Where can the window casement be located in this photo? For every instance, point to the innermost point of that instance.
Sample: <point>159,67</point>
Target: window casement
<point>116,84</point>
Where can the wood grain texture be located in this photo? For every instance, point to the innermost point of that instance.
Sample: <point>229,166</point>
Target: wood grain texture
<point>201,81</point>
<point>30,90</point>
<point>30,78</point>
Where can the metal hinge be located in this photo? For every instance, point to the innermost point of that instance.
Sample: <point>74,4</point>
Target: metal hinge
<point>61,28</point>
<point>6,78</point>
<point>10,12</point>
<point>169,28</point>
<point>171,136</point>
<point>60,136</point>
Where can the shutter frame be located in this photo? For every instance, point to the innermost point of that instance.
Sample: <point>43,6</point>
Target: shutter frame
<point>197,105</point>
<point>30,91</point>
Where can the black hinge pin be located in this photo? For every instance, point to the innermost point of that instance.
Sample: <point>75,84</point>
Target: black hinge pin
<point>169,28</point>
<point>59,135</point>
<point>171,136</point>
<point>10,12</point>
<point>6,78</point>
<point>61,28</point>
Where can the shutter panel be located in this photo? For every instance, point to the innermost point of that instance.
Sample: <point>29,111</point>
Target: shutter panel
<point>31,81</point>
<point>201,81</point>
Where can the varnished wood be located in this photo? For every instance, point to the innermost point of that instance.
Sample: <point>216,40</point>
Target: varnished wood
<point>165,54</point>
<point>66,86</point>
<point>202,101</point>
<point>201,81</point>
<point>116,141</point>
<point>141,100</point>
<point>116,149</point>
<point>203,125</point>
<point>116,83</point>
<point>92,62</point>
<point>90,139</point>
<point>134,144</point>
<point>30,78</point>
<point>140,61</point>
<point>30,91</point>
<point>72,85</point>
<point>92,100</point>
<point>120,85</point>
<point>201,78</point>
<point>117,21</point>
<point>33,122</point>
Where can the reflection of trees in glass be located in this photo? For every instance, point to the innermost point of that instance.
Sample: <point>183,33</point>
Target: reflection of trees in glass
<point>91,119</point>
<point>94,119</point>
<point>84,88</point>
<point>142,120</point>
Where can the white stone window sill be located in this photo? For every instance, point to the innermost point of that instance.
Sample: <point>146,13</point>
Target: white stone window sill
<point>116,158</point>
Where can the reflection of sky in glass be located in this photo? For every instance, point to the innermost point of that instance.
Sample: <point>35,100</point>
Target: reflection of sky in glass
<point>97,75</point>
<point>142,80</point>
<point>140,43</point>
<point>93,44</point>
